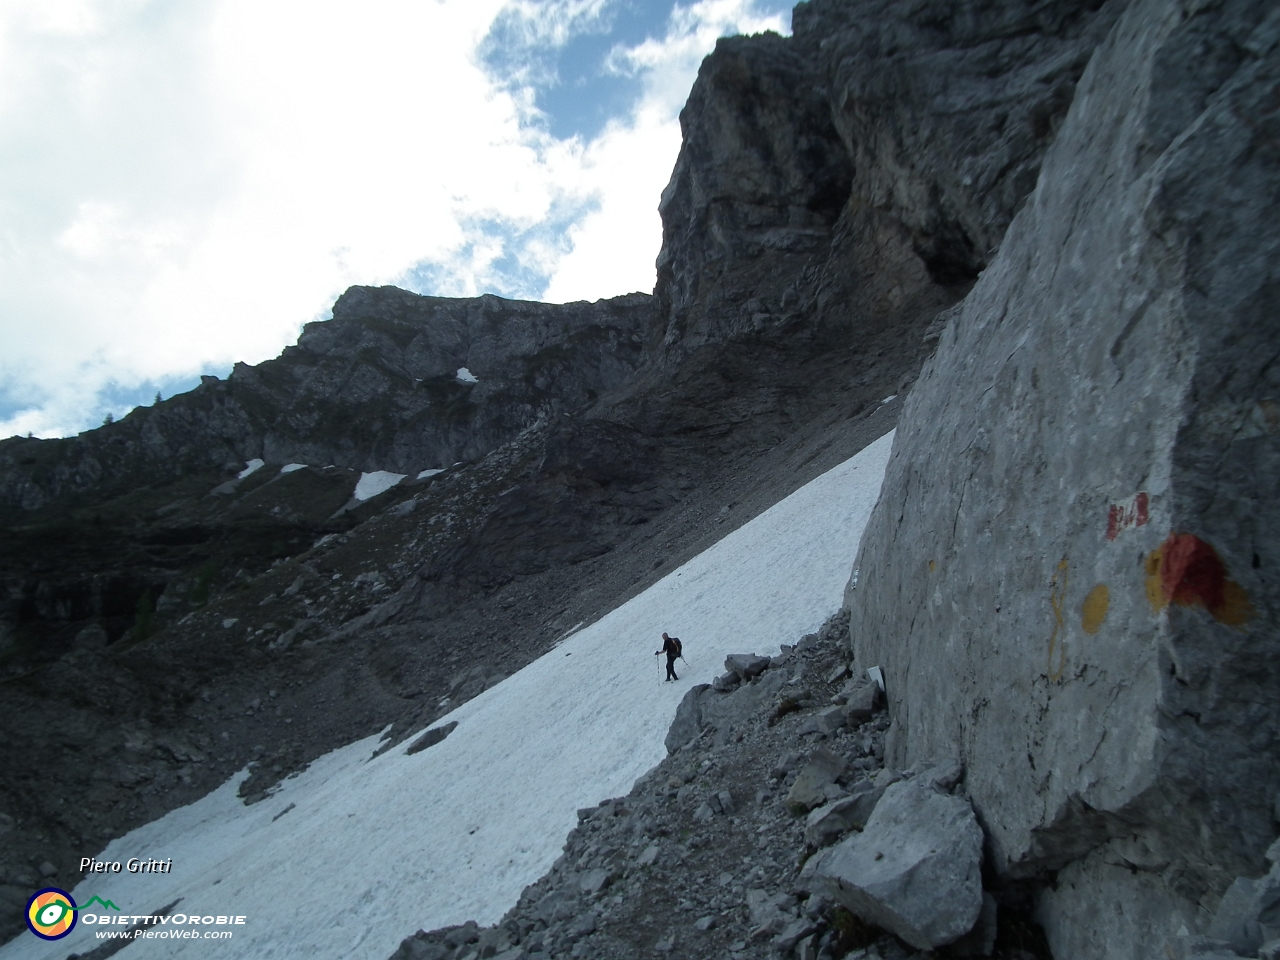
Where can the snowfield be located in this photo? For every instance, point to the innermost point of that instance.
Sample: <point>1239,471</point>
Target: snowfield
<point>379,481</point>
<point>354,854</point>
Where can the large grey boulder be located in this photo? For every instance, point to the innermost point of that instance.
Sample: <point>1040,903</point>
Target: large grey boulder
<point>861,699</point>
<point>823,768</point>
<point>688,719</point>
<point>746,704</point>
<point>825,722</point>
<point>915,870</point>
<point>1066,579</point>
<point>746,665</point>
<point>827,824</point>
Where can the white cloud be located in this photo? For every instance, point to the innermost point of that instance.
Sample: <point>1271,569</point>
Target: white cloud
<point>182,186</point>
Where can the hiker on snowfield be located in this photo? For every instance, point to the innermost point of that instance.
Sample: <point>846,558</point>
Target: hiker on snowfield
<point>671,647</point>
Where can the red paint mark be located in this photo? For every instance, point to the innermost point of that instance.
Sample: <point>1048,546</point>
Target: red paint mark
<point>1187,571</point>
<point>1192,572</point>
<point>1135,514</point>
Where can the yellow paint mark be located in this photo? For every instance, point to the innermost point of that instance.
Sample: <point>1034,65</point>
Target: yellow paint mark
<point>1152,582</point>
<point>1094,610</point>
<point>932,566</point>
<point>1057,596</point>
<point>1236,610</point>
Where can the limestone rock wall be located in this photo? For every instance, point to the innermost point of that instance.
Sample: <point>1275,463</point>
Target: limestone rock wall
<point>858,175</point>
<point>1068,578</point>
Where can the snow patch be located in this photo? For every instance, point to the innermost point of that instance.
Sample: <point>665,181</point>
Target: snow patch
<point>372,484</point>
<point>250,467</point>
<point>466,376</point>
<point>428,473</point>
<point>374,849</point>
<point>290,467</point>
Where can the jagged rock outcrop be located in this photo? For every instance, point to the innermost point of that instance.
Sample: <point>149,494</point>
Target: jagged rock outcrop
<point>864,168</point>
<point>1068,577</point>
<point>761,178</point>
<point>375,388</point>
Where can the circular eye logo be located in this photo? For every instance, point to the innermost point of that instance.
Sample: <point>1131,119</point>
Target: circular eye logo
<point>51,913</point>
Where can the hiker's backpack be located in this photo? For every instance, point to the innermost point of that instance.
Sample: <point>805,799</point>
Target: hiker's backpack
<point>679,646</point>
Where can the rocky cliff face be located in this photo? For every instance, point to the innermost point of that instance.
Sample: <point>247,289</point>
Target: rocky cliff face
<point>375,388</point>
<point>1067,578</point>
<point>761,180</point>
<point>864,168</point>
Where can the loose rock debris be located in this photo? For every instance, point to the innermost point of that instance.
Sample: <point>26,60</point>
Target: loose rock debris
<point>752,839</point>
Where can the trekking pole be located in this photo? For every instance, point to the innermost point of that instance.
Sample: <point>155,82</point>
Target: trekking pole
<point>657,658</point>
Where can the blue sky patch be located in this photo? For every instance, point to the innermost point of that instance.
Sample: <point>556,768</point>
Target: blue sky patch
<point>567,63</point>
<point>569,70</point>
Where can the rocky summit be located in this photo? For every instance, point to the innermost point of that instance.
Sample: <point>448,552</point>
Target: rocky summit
<point>1040,238</point>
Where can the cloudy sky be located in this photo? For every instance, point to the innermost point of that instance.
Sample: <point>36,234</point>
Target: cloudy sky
<point>184,184</point>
